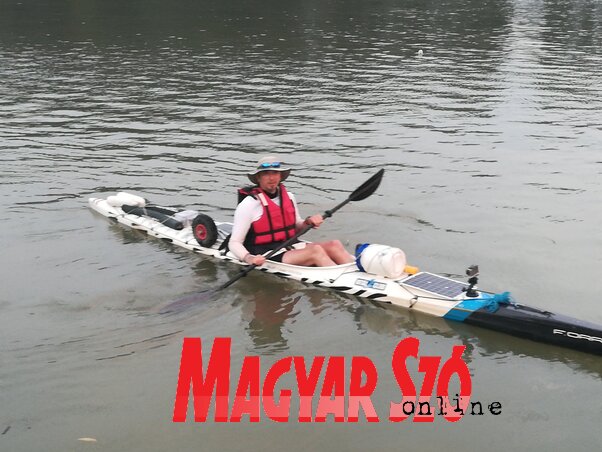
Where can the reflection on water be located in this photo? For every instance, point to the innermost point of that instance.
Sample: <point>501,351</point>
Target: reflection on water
<point>400,323</point>
<point>266,316</point>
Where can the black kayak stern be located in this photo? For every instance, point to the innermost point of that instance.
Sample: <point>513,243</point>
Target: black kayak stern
<point>542,326</point>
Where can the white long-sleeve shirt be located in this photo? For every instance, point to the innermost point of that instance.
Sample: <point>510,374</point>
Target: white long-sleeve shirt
<point>248,211</point>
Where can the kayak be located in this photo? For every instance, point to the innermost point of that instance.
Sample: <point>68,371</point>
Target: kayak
<point>412,289</point>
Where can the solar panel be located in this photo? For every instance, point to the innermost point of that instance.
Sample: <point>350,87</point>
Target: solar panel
<point>436,284</point>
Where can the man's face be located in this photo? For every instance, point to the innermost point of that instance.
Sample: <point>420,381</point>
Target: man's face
<point>269,180</point>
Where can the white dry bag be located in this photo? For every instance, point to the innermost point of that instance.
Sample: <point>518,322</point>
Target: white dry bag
<point>380,260</point>
<point>127,199</point>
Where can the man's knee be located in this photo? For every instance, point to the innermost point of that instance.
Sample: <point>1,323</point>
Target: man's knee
<point>319,256</point>
<point>334,245</point>
<point>317,250</point>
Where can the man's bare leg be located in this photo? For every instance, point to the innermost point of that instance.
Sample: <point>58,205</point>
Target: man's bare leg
<point>337,252</point>
<point>312,254</point>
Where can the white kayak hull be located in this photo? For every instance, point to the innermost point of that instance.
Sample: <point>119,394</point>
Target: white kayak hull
<point>424,292</point>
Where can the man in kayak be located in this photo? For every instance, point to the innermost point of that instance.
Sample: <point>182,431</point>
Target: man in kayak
<point>268,215</point>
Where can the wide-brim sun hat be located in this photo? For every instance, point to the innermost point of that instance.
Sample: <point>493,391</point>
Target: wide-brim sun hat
<point>270,163</point>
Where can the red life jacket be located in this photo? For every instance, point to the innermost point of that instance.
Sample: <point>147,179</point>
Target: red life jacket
<point>277,222</point>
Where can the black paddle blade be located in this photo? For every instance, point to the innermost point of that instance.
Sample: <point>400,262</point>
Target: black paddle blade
<point>186,302</point>
<point>368,187</point>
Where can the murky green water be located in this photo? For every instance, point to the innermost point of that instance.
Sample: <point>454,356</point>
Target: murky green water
<point>490,139</point>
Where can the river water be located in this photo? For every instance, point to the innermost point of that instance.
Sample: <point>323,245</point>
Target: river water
<point>490,137</point>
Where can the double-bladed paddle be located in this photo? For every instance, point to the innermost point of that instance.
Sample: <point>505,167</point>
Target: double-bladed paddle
<point>360,193</point>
